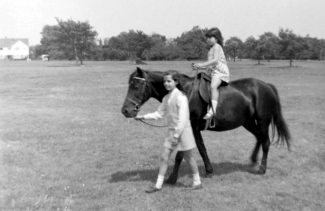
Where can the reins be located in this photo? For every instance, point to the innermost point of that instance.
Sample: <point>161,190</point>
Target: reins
<point>147,123</point>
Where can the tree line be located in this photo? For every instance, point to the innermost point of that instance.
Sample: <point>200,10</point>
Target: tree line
<point>75,40</point>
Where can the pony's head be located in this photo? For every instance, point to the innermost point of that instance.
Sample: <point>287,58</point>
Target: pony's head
<point>146,84</point>
<point>139,92</point>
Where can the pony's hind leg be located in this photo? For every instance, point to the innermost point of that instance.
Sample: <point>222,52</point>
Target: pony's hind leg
<point>261,133</point>
<point>265,140</point>
<point>255,152</point>
<point>252,127</point>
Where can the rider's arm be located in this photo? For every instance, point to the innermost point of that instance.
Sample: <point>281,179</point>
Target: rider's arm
<point>214,61</point>
<point>208,63</point>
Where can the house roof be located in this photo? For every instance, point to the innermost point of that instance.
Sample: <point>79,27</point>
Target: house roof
<point>8,42</point>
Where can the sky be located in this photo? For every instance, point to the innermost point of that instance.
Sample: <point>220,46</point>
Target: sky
<point>240,18</point>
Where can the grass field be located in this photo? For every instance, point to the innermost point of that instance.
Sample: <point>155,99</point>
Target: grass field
<point>64,144</point>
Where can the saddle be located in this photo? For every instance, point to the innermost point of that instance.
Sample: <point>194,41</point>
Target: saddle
<point>204,81</point>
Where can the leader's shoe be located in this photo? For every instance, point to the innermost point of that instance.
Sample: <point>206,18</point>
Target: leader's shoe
<point>196,187</point>
<point>153,189</point>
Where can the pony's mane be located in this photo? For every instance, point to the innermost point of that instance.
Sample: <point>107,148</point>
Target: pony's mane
<point>186,76</point>
<point>158,75</point>
<point>185,80</point>
<point>161,73</point>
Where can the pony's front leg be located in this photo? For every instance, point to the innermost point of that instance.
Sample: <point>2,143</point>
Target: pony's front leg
<point>203,152</point>
<point>172,179</point>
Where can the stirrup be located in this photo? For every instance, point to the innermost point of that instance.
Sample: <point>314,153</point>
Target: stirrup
<point>210,123</point>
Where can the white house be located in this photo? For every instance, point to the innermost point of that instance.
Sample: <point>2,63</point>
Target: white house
<point>14,48</point>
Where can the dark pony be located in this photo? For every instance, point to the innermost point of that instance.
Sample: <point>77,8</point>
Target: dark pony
<point>247,102</point>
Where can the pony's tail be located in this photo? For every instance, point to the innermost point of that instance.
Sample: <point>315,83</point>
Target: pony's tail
<point>279,123</point>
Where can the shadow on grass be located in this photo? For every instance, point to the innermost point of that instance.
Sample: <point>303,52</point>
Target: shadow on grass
<point>151,174</point>
<point>229,167</point>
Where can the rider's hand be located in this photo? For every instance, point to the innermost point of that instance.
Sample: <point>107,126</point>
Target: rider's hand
<point>196,66</point>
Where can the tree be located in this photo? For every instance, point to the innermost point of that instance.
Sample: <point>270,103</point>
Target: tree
<point>77,36</point>
<point>312,48</point>
<point>322,49</point>
<point>290,45</point>
<point>233,47</point>
<point>248,47</point>
<point>193,44</point>
<point>51,44</point>
<point>132,43</point>
<point>157,51</point>
<point>172,51</point>
<point>137,43</point>
<point>36,51</point>
<point>269,44</point>
<point>266,47</point>
<point>162,49</point>
<point>116,49</point>
<point>252,49</point>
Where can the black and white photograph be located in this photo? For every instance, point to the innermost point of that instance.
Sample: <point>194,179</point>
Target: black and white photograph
<point>180,105</point>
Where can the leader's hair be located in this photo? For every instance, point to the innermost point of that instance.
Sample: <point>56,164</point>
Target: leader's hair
<point>176,76</point>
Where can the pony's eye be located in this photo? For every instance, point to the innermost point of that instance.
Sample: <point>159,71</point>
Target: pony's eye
<point>134,84</point>
<point>138,85</point>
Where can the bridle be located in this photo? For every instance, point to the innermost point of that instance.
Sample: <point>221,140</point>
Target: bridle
<point>138,103</point>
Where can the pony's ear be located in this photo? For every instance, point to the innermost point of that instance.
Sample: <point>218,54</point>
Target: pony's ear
<point>140,72</point>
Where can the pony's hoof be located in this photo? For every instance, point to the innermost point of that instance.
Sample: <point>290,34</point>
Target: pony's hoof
<point>261,170</point>
<point>208,175</point>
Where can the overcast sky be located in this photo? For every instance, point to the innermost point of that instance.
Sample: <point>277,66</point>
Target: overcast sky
<point>241,18</point>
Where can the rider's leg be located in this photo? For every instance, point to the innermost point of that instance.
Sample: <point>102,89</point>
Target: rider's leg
<point>215,83</point>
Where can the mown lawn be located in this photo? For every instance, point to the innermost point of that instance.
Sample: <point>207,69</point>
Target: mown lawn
<point>64,144</point>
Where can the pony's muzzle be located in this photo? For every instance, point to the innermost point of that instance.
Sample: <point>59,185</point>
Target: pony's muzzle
<point>129,113</point>
<point>125,112</point>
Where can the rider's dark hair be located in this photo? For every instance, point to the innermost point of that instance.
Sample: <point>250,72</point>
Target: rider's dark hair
<point>216,33</point>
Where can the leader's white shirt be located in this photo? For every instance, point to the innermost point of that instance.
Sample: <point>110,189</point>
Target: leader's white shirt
<point>175,107</point>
